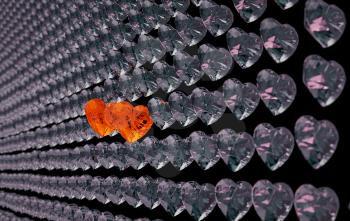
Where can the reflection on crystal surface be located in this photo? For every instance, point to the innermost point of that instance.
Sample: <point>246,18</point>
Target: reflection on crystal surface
<point>326,23</point>
<point>286,4</point>
<point>274,145</point>
<point>192,30</point>
<point>280,40</point>
<point>317,140</point>
<point>272,201</point>
<point>276,91</point>
<point>324,79</point>
<point>316,204</point>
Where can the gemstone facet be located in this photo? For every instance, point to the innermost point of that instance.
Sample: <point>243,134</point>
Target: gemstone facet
<point>250,10</point>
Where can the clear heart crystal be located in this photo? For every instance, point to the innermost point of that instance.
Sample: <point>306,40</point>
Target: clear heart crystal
<point>241,99</point>
<point>245,48</point>
<point>324,79</point>
<point>326,23</point>
<point>316,204</point>
<point>276,91</point>
<point>317,140</point>
<point>250,10</point>
<point>192,30</point>
<point>274,145</point>
<point>233,199</point>
<point>272,201</point>
<point>280,40</point>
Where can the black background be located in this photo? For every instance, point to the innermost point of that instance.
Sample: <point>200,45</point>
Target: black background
<point>296,171</point>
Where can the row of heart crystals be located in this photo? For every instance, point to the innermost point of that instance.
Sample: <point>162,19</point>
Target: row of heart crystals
<point>274,145</point>
<point>56,210</point>
<point>9,216</point>
<point>271,201</point>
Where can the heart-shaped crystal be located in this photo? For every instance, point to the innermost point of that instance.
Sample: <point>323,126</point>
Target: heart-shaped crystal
<point>250,10</point>
<point>166,76</point>
<point>146,190</point>
<point>233,199</point>
<point>324,79</point>
<point>199,200</point>
<point>216,18</point>
<point>169,194</point>
<point>176,5</point>
<point>160,112</point>
<point>241,99</point>
<point>316,204</point>
<point>236,149</point>
<point>171,39</point>
<point>276,91</point>
<point>317,140</point>
<point>204,149</point>
<point>192,30</point>
<point>286,4</point>
<point>272,201</point>
<point>181,108</point>
<point>209,106</point>
<point>245,48</point>
<point>280,40</point>
<point>148,49</point>
<point>215,63</point>
<point>274,145</point>
<point>187,67</point>
<point>94,110</point>
<point>178,151</point>
<point>326,23</point>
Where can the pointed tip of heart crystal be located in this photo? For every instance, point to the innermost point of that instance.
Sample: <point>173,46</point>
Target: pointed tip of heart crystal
<point>94,110</point>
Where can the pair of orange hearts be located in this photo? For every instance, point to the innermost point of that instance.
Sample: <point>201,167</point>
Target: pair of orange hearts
<point>131,122</point>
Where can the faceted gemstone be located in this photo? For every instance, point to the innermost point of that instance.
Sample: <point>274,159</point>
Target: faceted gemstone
<point>169,194</point>
<point>216,18</point>
<point>145,81</point>
<point>129,190</point>
<point>140,23</point>
<point>148,49</point>
<point>250,10</point>
<point>177,151</point>
<point>276,91</point>
<point>274,145</point>
<point>324,79</point>
<point>233,199</point>
<point>272,201</point>
<point>127,86</point>
<point>187,68</point>
<point>154,152</point>
<point>192,30</point>
<point>316,204</point>
<point>236,149</point>
<point>147,192</point>
<point>160,112</point>
<point>135,155</point>
<point>197,2</point>
<point>176,5</point>
<point>171,39</point>
<point>241,99</point>
<point>131,122</point>
<point>204,149</point>
<point>113,191</point>
<point>128,55</point>
<point>286,4</point>
<point>280,40</point>
<point>167,78</point>
<point>94,113</point>
<point>215,63</point>
<point>245,48</point>
<point>181,108</point>
<point>209,106</point>
<point>155,12</point>
<point>317,140</point>
<point>326,23</point>
<point>199,200</point>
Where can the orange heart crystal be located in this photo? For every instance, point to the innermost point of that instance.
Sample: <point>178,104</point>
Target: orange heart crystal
<point>94,110</point>
<point>131,122</point>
